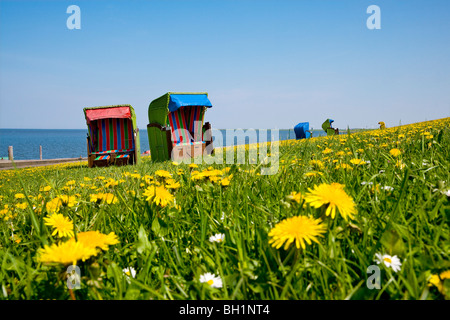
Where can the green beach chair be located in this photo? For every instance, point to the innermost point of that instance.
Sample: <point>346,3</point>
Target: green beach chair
<point>176,130</point>
<point>326,126</point>
<point>113,137</point>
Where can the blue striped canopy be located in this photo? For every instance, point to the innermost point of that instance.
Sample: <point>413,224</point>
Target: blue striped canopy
<point>182,100</point>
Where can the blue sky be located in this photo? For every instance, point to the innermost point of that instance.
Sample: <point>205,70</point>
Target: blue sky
<point>265,64</point>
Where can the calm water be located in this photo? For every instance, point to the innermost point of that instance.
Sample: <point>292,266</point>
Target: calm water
<point>71,143</point>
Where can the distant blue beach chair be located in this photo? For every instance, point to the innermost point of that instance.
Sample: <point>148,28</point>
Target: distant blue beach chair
<point>302,131</point>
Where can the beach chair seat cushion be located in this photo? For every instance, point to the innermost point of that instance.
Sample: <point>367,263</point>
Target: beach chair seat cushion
<point>113,151</point>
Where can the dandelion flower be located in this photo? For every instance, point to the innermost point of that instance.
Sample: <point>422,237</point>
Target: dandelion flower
<point>46,188</point>
<point>109,198</point>
<point>357,161</point>
<point>173,185</point>
<point>19,196</point>
<point>225,181</point>
<point>395,152</point>
<point>62,225</point>
<point>218,237</point>
<point>211,279</point>
<point>53,205</point>
<point>437,280</point>
<point>66,253</point>
<point>334,197</point>
<point>96,239</point>
<point>400,164</point>
<point>313,174</point>
<point>158,195</point>
<point>295,196</point>
<point>68,201</point>
<point>300,229</point>
<point>22,205</point>
<point>389,261</point>
<point>163,174</point>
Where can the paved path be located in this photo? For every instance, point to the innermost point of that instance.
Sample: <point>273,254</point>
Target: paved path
<point>8,164</point>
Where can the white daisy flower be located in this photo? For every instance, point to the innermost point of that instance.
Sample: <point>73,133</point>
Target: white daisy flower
<point>368,183</point>
<point>129,272</point>
<point>447,193</point>
<point>211,279</point>
<point>388,188</point>
<point>218,237</point>
<point>389,261</point>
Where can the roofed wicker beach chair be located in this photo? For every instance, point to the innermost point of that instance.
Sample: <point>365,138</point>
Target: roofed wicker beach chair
<point>327,127</point>
<point>113,137</point>
<point>176,130</point>
<point>302,131</point>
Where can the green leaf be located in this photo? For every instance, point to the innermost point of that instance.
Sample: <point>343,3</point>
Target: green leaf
<point>392,242</point>
<point>143,245</point>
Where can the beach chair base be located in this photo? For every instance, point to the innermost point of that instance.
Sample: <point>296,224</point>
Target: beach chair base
<point>122,160</point>
<point>101,161</point>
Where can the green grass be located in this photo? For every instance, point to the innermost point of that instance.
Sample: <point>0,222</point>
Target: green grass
<point>169,246</point>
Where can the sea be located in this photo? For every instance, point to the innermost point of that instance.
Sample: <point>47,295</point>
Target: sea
<point>71,143</point>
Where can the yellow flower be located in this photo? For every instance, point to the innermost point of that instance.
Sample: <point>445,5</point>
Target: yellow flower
<point>357,161</point>
<point>316,163</point>
<point>313,174</point>
<point>23,205</point>
<point>395,152</point>
<point>334,197</point>
<point>158,195</point>
<point>400,164</point>
<point>344,166</point>
<point>69,201</point>
<point>103,197</point>
<point>173,185</point>
<point>96,239</point>
<point>163,174</point>
<point>19,196</point>
<point>111,183</point>
<point>437,280</point>
<point>195,175</point>
<point>63,227</point>
<point>225,181</point>
<point>66,253</point>
<point>296,196</point>
<point>300,229</point>
<point>327,150</point>
<point>45,189</point>
<point>53,205</point>
<point>109,198</point>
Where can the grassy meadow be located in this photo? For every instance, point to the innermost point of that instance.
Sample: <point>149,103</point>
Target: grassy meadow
<point>362,215</point>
